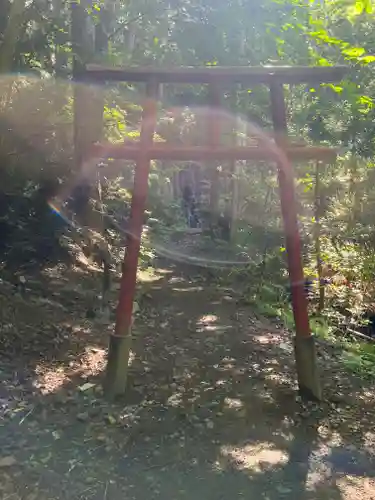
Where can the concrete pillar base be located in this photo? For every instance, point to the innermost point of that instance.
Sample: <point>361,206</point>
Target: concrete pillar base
<point>117,366</point>
<point>307,372</point>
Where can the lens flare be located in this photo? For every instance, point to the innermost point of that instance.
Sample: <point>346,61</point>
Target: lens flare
<point>218,213</point>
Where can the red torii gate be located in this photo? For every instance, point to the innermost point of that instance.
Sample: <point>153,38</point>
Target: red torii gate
<point>145,150</point>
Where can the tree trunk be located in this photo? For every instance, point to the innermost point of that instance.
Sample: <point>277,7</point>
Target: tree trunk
<point>354,193</point>
<point>318,253</point>
<point>61,58</point>
<point>236,167</point>
<point>11,34</point>
<point>88,102</point>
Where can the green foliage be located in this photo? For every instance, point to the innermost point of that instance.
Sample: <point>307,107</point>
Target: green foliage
<point>361,359</point>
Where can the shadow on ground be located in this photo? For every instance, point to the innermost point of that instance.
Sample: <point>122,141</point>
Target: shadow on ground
<point>211,410</point>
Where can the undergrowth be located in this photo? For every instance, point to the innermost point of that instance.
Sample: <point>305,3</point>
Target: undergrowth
<point>358,357</point>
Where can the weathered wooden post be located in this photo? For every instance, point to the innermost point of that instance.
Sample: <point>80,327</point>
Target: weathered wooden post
<point>214,138</point>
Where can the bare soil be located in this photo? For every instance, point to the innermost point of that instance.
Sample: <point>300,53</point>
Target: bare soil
<point>211,410</point>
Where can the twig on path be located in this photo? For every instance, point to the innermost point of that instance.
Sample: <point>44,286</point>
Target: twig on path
<point>90,488</point>
<point>27,415</point>
<point>105,491</point>
<point>159,466</point>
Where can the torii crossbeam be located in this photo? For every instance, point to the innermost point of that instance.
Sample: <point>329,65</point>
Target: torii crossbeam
<point>145,150</point>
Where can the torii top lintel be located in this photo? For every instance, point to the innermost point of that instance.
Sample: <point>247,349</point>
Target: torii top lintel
<point>217,74</point>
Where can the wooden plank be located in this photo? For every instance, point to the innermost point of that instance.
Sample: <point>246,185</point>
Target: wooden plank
<point>164,151</point>
<point>214,74</point>
<point>360,335</point>
<point>278,112</point>
<point>214,135</point>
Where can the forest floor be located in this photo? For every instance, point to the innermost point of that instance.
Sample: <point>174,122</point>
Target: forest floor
<point>211,411</point>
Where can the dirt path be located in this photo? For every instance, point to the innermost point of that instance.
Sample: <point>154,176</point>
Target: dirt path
<point>211,412</point>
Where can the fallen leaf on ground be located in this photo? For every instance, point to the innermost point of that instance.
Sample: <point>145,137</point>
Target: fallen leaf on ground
<point>83,417</point>
<point>283,489</point>
<point>7,461</point>
<point>56,435</point>
<point>136,307</point>
<point>111,420</point>
<point>86,387</point>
